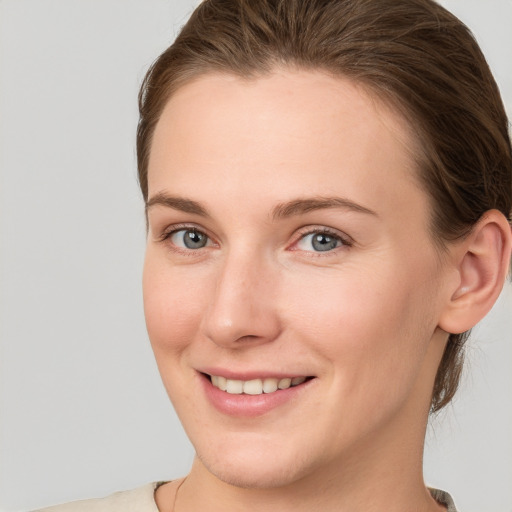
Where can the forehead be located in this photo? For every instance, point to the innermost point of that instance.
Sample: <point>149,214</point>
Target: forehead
<point>291,131</point>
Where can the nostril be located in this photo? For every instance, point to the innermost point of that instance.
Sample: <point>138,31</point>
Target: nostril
<point>248,338</point>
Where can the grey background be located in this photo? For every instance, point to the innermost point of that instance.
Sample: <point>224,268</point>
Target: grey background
<point>83,412</point>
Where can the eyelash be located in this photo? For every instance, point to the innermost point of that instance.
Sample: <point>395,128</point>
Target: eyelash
<point>345,240</point>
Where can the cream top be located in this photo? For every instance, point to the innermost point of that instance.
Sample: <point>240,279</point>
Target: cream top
<point>142,499</point>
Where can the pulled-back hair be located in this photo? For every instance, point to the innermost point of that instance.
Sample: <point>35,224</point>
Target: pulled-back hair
<point>412,53</point>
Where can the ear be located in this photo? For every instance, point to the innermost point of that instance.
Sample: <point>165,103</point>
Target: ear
<point>481,262</point>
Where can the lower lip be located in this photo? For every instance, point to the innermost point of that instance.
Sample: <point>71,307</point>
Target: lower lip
<point>250,405</point>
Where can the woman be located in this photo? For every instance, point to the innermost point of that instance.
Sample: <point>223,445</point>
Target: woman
<point>328,191</point>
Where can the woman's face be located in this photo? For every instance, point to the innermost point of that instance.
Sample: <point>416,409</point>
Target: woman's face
<point>288,239</point>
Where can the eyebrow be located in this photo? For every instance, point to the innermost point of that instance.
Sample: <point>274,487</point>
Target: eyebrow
<point>301,206</point>
<point>282,210</point>
<point>177,203</point>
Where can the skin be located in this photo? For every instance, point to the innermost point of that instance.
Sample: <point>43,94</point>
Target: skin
<point>362,318</point>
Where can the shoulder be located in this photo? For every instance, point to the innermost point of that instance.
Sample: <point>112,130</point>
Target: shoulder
<point>443,498</point>
<point>141,499</point>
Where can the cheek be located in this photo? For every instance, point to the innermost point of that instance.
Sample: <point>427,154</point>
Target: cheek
<point>376,358</point>
<point>173,304</point>
<point>372,328</point>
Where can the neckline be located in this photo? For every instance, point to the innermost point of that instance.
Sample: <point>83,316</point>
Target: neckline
<point>442,497</point>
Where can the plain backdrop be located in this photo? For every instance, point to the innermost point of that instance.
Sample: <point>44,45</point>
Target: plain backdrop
<point>83,412</point>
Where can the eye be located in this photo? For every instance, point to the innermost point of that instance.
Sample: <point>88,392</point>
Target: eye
<point>189,239</point>
<point>320,241</point>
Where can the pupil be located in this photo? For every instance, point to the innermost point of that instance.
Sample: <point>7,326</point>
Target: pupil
<point>322,242</point>
<point>194,240</point>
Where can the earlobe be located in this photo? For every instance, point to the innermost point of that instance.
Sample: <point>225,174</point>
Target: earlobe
<point>482,261</point>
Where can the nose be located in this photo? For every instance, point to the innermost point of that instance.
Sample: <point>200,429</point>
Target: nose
<point>243,309</point>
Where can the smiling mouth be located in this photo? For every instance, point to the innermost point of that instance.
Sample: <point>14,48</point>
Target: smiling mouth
<point>255,386</point>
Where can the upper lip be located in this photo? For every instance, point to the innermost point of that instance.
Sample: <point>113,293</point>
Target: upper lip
<point>250,374</point>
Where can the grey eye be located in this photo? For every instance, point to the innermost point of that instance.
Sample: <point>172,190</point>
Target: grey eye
<point>319,242</point>
<point>189,239</point>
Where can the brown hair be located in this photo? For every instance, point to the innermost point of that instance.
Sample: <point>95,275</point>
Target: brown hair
<point>412,53</point>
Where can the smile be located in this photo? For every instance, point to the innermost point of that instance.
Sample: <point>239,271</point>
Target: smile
<point>254,386</point>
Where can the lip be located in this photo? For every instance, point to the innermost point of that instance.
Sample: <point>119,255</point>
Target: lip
<point>248,406</point>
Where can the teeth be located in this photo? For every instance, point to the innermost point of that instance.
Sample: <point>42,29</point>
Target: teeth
<point>255,386</point>
<point>269,385</point>
<point>235,387</point>
<point>222,383</point>
<point>284,383</point>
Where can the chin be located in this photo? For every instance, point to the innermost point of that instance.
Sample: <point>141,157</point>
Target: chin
<point>258,465</point>
<point>248,476</point>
